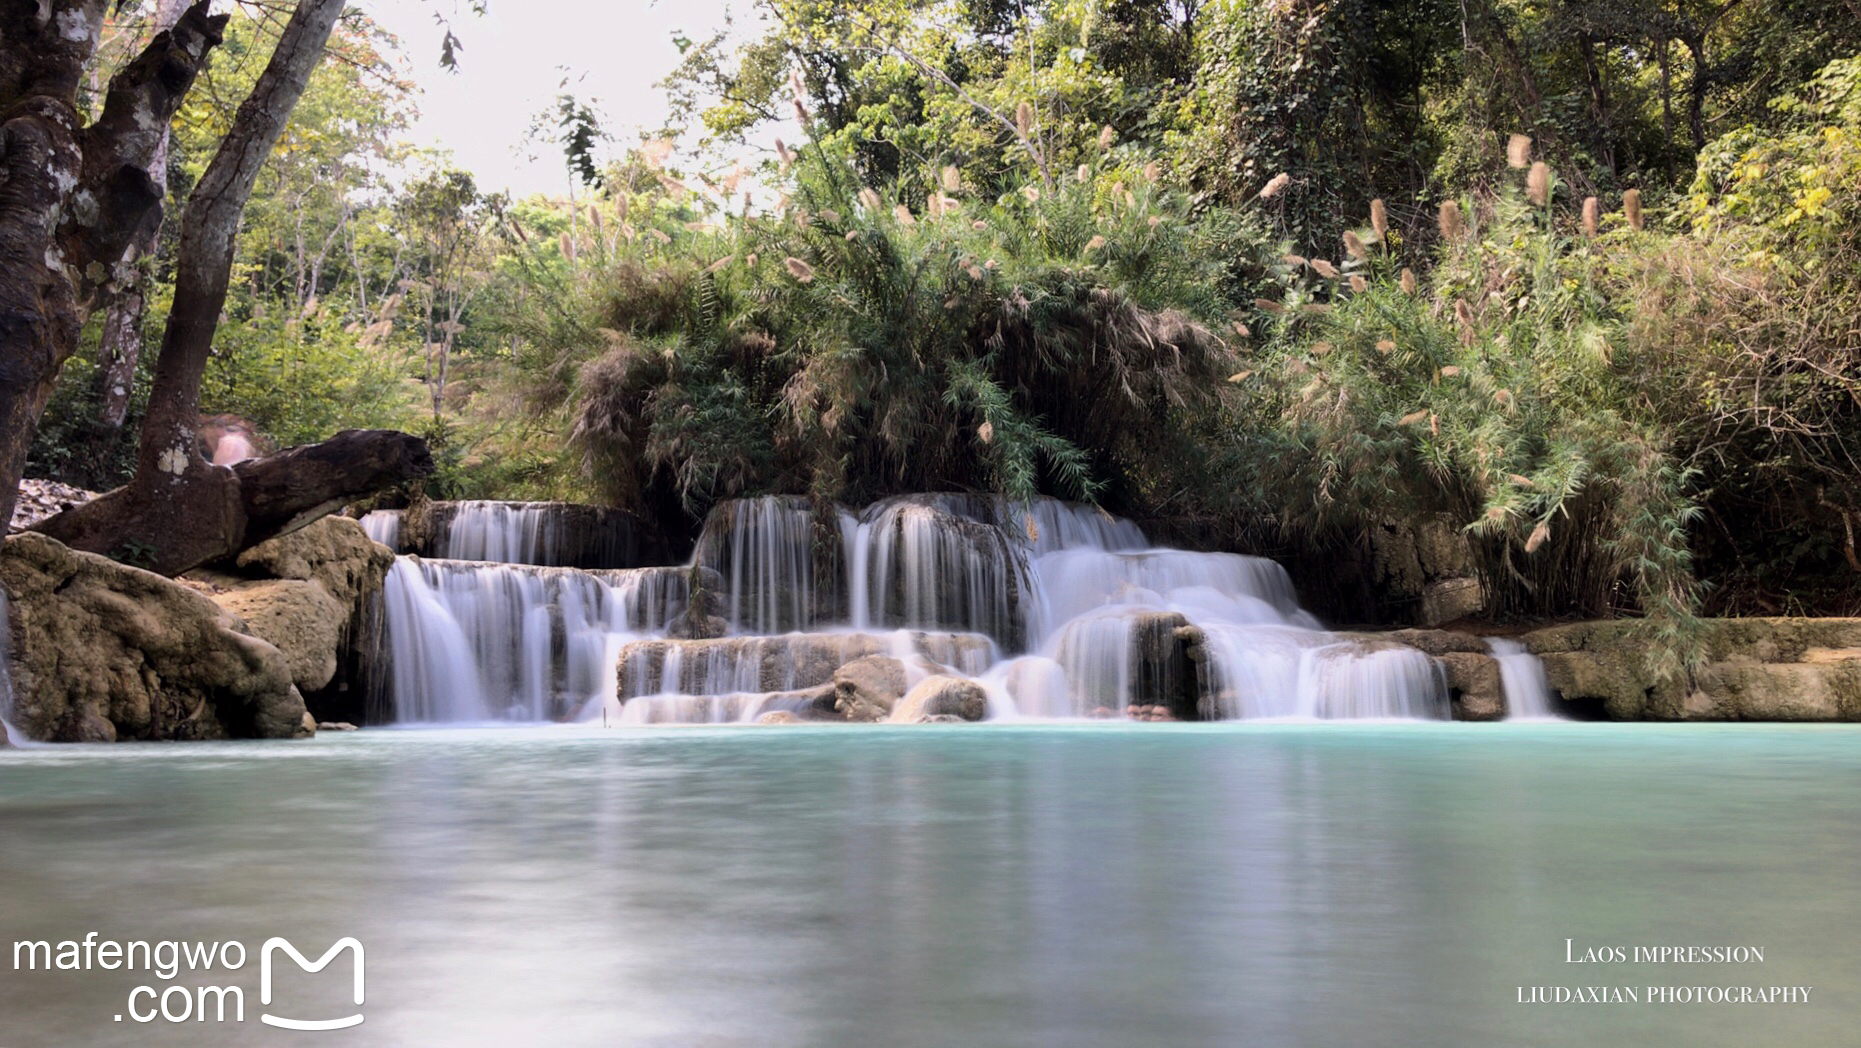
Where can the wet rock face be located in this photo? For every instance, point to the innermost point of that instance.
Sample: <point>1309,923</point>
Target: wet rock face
<point>549,534</point>
<point>941,698</point>
<point>785,662</point>
<point>1756,669</point>
<point>105,652</point>
<point>868,688</point>
<point>1475,686</point>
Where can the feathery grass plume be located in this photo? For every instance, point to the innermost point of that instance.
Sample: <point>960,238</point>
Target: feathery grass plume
<point>1412,418</point>
<point>1153,171</point>
<point>750,260</point>
<point>594,217</point>
<point>1520,479</point>
<point>1295,261</point>
<point>798,269</point>
<point>567,245</point>
<point>627,230</point>
<point>1324,269</point>
<point>1538,183</point>
<point>1316,307</point>
<point>1631,206</point>
<point>951,178</point>
<point>1463,312</point>
<point>654,152</point>
<point>869,199</point>
<point>1592,216</point>
<point>974,271</point>
<point>1243,330</point>
<point>1319,349</point>
<point>1024,120</point>
<point>1154,221</point>
<point>1269,305</point>
<point>784,154</point>
<point>677,189</point>
<point>801,113</point>
<point>1518,152</point>
<point>851,234</point>
<point>794,83</point>
<point>985,432</point>
<point>991,264</point>
<point>719,264</point>
<point>1503,397</point>
<point>1385,346</point>
<point>1274,185</point>
<point>1030,193</point>
<point>1106,135</point>
<point>1539,536</point>
<point>1083,175</point>
<point>1379,218</point>
<point>1359,284</point>
<point>978,225</point>
<point>801,219</point>
<point>830,216</point>
<point>1356,247</point>
<point>1453,226</point>
<point>933,205</point>
<point>620,207</point>
<point>903,215</point>
<point>1095,243</point>
<point>660,235</point>
<point>1450,371</point>
<point>1240,376</point>
<point>1408,281</point>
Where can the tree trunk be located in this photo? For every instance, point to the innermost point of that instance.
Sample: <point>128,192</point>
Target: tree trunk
<point>179,508</point>
<point>72,199</point>
<point>121,347</point>
<point>258,499</point>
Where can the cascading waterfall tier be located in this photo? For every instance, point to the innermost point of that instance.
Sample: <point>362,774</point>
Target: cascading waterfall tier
<point>473,641</point>
<point>1050,609</point>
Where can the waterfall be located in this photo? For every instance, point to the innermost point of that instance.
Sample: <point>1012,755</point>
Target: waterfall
<point>504,532</point>
<point>474,641</point>
<point>384,526</point>
<point>929,564</point>
<point>765,550</point>
<point>1055,610</point>
<point>1527,689</point>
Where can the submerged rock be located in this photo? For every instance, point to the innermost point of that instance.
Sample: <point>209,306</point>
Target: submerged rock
<point>869,687</point>
<point>107,652</point>
<point>940,696</point>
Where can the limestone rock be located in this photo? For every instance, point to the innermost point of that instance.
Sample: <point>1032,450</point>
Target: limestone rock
<point>868,688</point>
<point>105,651</point>
<point>1756,669</point>
<point>336,726</point>
<point>1475,685</point>
<point>783,662</point>
<point>1451,599</point>
<point>778,717</point>
<point>334,552</point>
<point>940,695</point>
<point>299,618</point>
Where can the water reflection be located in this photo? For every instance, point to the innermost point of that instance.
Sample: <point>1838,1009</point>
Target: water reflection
<point>1053,887</point>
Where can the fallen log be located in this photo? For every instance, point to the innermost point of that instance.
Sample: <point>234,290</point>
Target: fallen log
<point>172,523</point>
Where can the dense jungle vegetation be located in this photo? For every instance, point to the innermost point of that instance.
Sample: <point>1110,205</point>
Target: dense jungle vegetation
<point>1266,275</point>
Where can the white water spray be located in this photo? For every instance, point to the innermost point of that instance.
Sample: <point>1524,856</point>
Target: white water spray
<point>1528,690</point>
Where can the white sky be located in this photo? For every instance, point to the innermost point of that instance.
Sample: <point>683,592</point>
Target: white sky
<point>511,70</point>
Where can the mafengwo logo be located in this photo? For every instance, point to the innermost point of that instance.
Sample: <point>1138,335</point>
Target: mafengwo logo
<point>178,1003</point>
<point>272,946</point>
